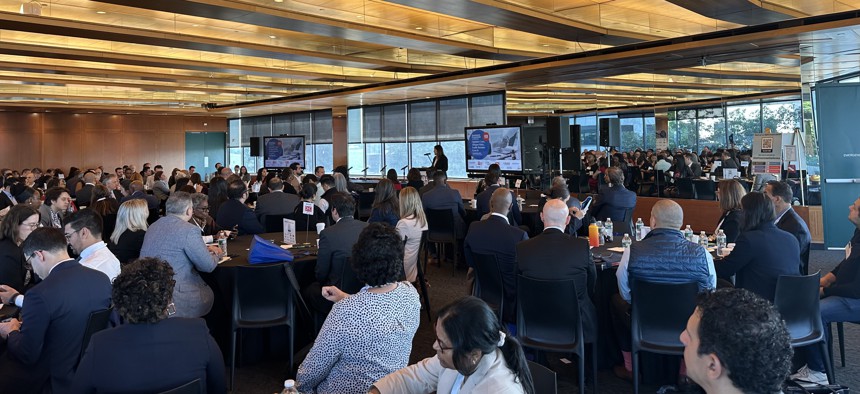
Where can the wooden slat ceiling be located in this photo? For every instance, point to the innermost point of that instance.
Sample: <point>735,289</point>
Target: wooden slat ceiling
<point>251,57</point>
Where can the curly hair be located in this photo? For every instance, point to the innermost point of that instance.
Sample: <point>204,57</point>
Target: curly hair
<point>142,291</point>
<point>749,337</point>
<point>377,256</point>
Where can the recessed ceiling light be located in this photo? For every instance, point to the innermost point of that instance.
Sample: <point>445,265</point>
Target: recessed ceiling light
<point>544,45</point>
<point>279,1</point>
<point>101,12</point>
<point>419,28</point>
<point>195,25</point>
<point>273,37</point>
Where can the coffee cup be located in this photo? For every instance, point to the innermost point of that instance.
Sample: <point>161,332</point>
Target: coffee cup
<point>320,227</point>
<point>713,178</point>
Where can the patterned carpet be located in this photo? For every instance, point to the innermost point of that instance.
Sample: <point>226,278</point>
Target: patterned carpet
<point>267,376</point>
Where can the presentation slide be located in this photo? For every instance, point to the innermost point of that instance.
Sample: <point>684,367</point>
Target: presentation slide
<point>280,152</point>
<point>497,144</point>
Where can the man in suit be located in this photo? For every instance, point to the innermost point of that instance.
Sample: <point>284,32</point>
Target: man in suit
<point>614,199</point>
<point>495,236</point>
<point>788,220</point>
<point>483,198</point>
<point>443,197</point>
<point>84,232</point>
<point>6,197</point>
<point>336,242</point>
<point>275,202</point>
<point>111,182</point>
<point>430,184</point>
<point>693,164</point>
<point>136,191</point>
<point>554,255</point>
<point>234,212</point>
<point>46,342</point>
<point>86,193</point>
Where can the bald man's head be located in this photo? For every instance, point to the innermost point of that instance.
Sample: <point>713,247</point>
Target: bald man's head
<point>667,214</point>
<point>555,214</point>
<point>500,202</point>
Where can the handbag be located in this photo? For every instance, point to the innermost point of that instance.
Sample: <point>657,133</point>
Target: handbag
<point>263,252</point>
<point>804,387</point>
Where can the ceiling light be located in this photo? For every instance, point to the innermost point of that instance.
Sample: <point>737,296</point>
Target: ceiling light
<point>273,37</point>
<point>101,12</point>
<point>279,1</point>
<point>195,25</point>
<point>544,45</point>
<point>419,28</point>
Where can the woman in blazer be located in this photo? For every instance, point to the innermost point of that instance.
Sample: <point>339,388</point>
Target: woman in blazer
<point>730,194</point>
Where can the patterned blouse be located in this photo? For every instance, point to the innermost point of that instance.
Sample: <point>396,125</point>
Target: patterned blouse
<point>365,337</point>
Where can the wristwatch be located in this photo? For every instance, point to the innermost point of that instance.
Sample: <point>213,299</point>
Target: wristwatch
<point>13,298</point>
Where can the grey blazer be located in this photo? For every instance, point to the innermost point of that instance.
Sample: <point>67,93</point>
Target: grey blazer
<point>180,244</point>
<point>275,203</point>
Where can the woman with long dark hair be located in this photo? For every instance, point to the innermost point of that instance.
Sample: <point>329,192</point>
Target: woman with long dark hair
<point>386,209</point>
<point>440,161</point>
<point>474,353</point>
<point>392,176</point>
<point>15,272</point>
<point>730,194</point>
<point>413,178</point>
<point>217,195</point>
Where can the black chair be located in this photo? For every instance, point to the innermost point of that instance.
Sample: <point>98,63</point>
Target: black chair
<point>489,286</point>
<point>365,204</point>
<point>422,282</point>
<point>548,320</point>
<point>442,231</point>
<point>349,283</point>
<point>262,297</point>
<point>685,188</point>
<point>746,184</point>
<point>660,314</point>
<point>275,223</point>
<point>796,300</point>
<point>840,331</point>
<point>97,321</point>
<point>108,225</point>
<point>705,189</point>
<point>153,216</point>
<point>543,378</point>
<point>192,387</point>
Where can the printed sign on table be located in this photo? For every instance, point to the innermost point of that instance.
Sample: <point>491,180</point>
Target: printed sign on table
<point>289,231</point>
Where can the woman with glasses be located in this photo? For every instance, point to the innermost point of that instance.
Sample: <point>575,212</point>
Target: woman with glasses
<point>15,271</point>
<point>474,354</point>
<point>54,209</point>
<point>150,353</point>
<point>200,217</point>
<point>127,237</point>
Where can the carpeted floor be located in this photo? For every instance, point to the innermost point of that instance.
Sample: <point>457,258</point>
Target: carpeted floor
<point>268,376</point>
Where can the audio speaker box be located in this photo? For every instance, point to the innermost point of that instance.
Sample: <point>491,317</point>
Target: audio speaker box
<point>570,156</point>
<point>558,131</point>
<point>255,146</point>
<point>610,132</point>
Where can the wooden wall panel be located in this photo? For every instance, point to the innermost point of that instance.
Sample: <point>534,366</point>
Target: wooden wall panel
<point>815,221</point>
<point>339,141</point>
<point>62,150</point>
<point>102,149</point>
<point>20,122</point>
<point>62,123</point>
<point>171,150</point>
<point>17,152</point>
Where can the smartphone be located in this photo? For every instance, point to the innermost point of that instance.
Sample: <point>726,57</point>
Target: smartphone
<point>586,203</point>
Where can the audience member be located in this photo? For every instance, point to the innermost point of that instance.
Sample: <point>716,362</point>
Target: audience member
<point>693,163</point>
<point>83,230</point>
<point>217,195</point>
<point>15,270</point>
<point>496,237</point>
<point>614,200</point>
<point>369,334</point>
<point>788,220</point>
<point>443,196</point>
<point>53,211</point>
<point>494,173</point>
<point>391,175</point>
<point>137,191</point>
<point>763,252</point>
<point>210,230</point>
<point>385,206</point>
<point>128,357</point>
<point>326,184</point>
<point>730,194</point>
<point>7,199</point>
<point>126,240</point>
<point>319,171</point>
<point>178,242</point>
<point>160,189</point>
<point>83,198</point>
<point>276,202</point>
<point>430,183</point>
<point>295,177</point>
<point>574,206</point>
<point>29,196</point>
<point>736,342</point>
<point>474,354</point>
<point>411,226</point>
<point>413,178</point>
<point>42,348</point>
<point>234,214</point>
<point>111,182</point>
<point>305,222</point>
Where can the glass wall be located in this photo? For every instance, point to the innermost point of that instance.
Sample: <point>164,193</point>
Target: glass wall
<point>382,137</point>
<point>637,129</point>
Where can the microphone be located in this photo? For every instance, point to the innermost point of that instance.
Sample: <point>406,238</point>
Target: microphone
<point>383,168</point>
<point>427,154</point>
<point>404,167</point>
<point>347,170</point>
<point>365,169</point>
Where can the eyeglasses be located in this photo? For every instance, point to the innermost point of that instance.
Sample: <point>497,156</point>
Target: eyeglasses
<point>69,235</point>
<point>27,260</point>
<point>442,347</point>
<point>204,209</point>
<point>32,226</point>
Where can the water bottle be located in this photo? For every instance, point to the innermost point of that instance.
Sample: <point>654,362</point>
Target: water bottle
<point>703,240</point>
<point>608,228</point>
<point>602,232</point>
<point>639,226</point>
<point>688,233</point>
<point>721,242</point>
<point>290,387</point>
<point>626,241</point>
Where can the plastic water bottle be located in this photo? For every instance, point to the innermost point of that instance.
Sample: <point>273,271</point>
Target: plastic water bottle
<point>602,231</point>
<point>703,240</point>
<point>290,387</point>
<point>626,241</point>
<point>639,226</point>
<point>721,242</point>
<point>608,228</point>
<point>688,233</point>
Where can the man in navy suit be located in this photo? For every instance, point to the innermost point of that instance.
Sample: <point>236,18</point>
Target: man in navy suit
<point>443,197</point>
<point>275,202</point>
<point>136,189</point>
<point>234,213</point>
<point>495,236</point>
<point>788,220</point>
<point>483,198</point>
<point>614,199</point>
<point>47,341</point>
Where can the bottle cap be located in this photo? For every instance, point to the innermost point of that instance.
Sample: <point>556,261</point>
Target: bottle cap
<point>289,383</point>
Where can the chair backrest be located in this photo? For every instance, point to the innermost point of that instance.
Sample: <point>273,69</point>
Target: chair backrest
<point>548,312</point>
<point>661,311</point>
<point>440,223</point>
<point>533,194</point>
<point>685,188</point>
<point>275,223</point>
<point>489,285</point>
<point>97,321</point>
<point>261,293</point>
<point>705,189</point>
<point>108,225</point>
<point>543,378</point>
<point>192,387</point>
<point>153,216</point>
<point>796,300</point>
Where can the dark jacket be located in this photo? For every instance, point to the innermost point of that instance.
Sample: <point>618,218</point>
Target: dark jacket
<point>234,213</point>
<point>494,236</point>
<point>151,358</point>
<point>84,195</point>
<point>440,163</point>
<point>760,256</point>
<point>376,215</point>
<point>444,197</point>
<point>151,201</point>
<point>794,224</point>
<point>335,240</point>
<point>613,202</point>
<point>12,271</point>
<point>847,273</point>
<point>731,224</point>
<point>664,256</point>
<point>554,255</point>
<point>128,247</point>
<point>275,203</point>
<point>483,205</point>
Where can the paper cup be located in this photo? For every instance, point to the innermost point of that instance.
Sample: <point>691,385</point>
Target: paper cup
<point>695,239</point>
<point>320,227</point>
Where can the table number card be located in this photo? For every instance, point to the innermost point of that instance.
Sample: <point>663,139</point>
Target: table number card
<point>307,208</point>
<point>518,183</point>
<point>730,173</point>
<point>289,231</point>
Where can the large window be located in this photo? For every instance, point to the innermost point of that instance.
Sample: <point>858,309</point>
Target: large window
<point>631,133</point>
<point>743,122</point>
<point>401,134</point>
<point>588,131</point>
